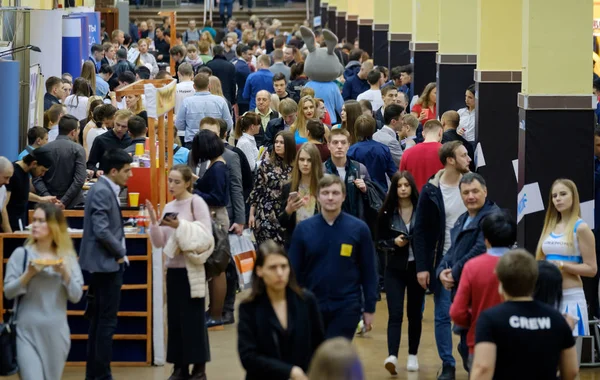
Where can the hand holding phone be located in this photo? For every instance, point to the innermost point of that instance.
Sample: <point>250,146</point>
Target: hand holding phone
<point>169,216</point>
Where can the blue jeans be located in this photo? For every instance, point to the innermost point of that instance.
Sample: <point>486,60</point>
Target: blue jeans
<point>225,17</point>
<point>443,327</point>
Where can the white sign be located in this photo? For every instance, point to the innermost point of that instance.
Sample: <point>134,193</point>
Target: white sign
<point>529,200</point>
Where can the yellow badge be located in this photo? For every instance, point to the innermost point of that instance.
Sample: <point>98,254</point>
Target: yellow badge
<point>346,250</point>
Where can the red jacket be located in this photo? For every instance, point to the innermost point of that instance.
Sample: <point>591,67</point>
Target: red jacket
<point>477,291</point>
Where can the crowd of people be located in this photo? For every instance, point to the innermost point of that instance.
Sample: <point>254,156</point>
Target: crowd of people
<point>346,200</point>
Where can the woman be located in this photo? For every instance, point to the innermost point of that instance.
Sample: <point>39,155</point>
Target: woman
<point>208,38</point>
<point>317,135</point>
<point>93,102</point>
<point>466,126</point>
<point>299,196</point>
<point>187,334</point>
<point>145,58</point>
<point>426,107</point>
<point>134,104</point>
<point>307,107</point>
<point>193,58</point>
<point>336,359</point>
<point>216,88</point>
<point>246,128</point>
<point>280,324</point>
<point>77,103</point>
<point>568,242</point>
<point>41,292</point>
<point>261,36</point>
<point>272,174</point>
<point>88,72</point>
<point>247,36</point>
<point>213,187</point>
<point>393,236</point>
<point>51,118</point>
<point>351,110</point>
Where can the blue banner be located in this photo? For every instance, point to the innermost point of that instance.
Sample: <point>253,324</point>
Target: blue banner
<point>9,108</point>
<point>72,54</point>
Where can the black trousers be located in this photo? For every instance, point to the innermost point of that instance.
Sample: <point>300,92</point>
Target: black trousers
<point>188,337</point>
<point>397,284</point>
<point>232,287</point>
<point>341,321</point>
<point>104,298</point>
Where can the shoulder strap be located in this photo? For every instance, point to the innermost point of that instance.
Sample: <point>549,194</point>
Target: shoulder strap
<point>192,208</point>
<point>577,225</point>
<point>176,149</point>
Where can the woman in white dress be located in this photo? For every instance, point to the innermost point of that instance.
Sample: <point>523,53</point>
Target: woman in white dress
<point>78,102</point>
<point>42,276</point>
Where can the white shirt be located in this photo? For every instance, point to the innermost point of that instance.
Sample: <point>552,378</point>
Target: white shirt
<point>53,133</point>
<point>91,136</point>
<point>247,144</point>
<point>2,197</point>
<point>342,172</point>
<point>454,207</point>
<point>77,106</point>
<point>182,91</point>
<point>411,255</point>
<point>467,121</point>
<point>374,96</point>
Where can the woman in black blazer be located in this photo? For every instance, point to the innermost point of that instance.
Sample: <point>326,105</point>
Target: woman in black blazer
<point>393,236</point>
<point>299,196</point>
<point>280,325</point>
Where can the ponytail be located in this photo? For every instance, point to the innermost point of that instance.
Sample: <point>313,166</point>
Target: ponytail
<point>52,115</point>
<point>247,120</point>
<point>47,120</point>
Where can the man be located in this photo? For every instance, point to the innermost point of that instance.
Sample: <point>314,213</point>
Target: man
<point>178,54</point>
<point>228,47</point>
<point>357,84</point>
<point>590,284</point>
<point>374,155</point>
<point>522,338</point>
<point>242,71</point>
<point>478,289</point>
<point>110,54</point>
<point>278,65</point>
<point>408,133</point>
<point>335,239</point>
<point>36,137</point>
<point>225,71</point>
<point>389,94</point>
<point>423,161</point>
<point>103,255</point>
<point>279,84</point>
<point>450,122</point>
<point>67,175</point>
<point>288,55</point>
<point>266,113</point>
<point>395,77</point>
<point>18,190</point>
<point>123,65</point>
<point>406,73</point>
<point>199,106</point>
<point>137,130</point>
<point>118,38</point>
<point>54,92</point>
<point>351,172</point>
<point>354,63</point>
<point>185,87</point>
<point>161,44</point>
<point>373,94</point>
<point>288,109</point>
<point>192,34</point>
<point>97,54</point>
<point>260,80</point>
<point>388,135</point>
<point>102,79</point>
<point>440,205</point>
<point>6,172</point>
<point>116,138</point>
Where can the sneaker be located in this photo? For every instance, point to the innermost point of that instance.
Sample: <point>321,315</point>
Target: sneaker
<point>448,373</point>
<point>390,364</point>
<point>412,364</point>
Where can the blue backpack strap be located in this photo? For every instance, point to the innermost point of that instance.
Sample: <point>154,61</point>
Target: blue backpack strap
<point>577,225</point>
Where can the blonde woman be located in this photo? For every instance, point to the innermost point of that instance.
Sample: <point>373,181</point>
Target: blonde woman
<point>307,108</point>
<point>134,104</point>
<point>568,242</point>
<point>216,88</point>
<point>88,72</point>
<point>336,359</point>
<point>42,276</point>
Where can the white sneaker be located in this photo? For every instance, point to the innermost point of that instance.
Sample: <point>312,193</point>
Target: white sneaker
<point>390,364</point>
<point>412,364</point>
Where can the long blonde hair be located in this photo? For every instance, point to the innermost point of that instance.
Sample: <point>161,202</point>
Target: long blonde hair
<point>214,86</point>
<point>88,71</point>
<point>553,216</point>
<point>300,123</point>
<point>336,359</point>
<point>57,224</point>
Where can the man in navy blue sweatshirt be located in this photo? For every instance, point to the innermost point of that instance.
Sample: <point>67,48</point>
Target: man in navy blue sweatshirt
<point>333,256</point>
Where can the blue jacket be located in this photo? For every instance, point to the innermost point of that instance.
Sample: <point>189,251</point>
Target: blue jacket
<point>242,71</point>
<point>330,93</point>
<point>466,243</point>
<point>260,80</point>
<point>351,69</point>
<point>377,158</point>
<point>49,101</point>
<point>336,263</point>
<point>354,87</point>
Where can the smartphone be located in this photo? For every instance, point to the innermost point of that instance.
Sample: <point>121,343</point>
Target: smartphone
<point>171,215</point>
<point>293,195</point>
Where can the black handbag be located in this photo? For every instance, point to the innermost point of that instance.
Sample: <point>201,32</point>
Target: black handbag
<point>8,338</point>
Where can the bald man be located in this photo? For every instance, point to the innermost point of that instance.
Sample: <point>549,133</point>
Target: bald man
<point>262,79</point>
<point>263,109</point>
<point>6,172</point>
<point>450,122</point>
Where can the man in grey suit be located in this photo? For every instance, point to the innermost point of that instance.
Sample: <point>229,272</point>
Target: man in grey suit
<point>66,177</point>
<point>388,135</point>
<point>278,66</point>
<point>103,254</point>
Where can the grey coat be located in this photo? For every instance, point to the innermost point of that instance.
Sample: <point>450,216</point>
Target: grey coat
<point>280,67</point>
<point>103,239</point>
<point>388,137</point>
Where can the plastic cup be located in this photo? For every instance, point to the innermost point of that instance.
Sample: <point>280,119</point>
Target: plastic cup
<point>139,149</point>
<point>134,199</point>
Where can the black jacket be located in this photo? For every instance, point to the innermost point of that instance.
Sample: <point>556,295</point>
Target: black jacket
<point>273,127</point>
<point>269,352</point>
<point>452,135</point>
<point>225,71</point>
<point>247,174</point>
<point>261,137</point>
<point>103,143</point>
<point>388,229</point>
<point>288,222</point>
<point>429,228</point>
